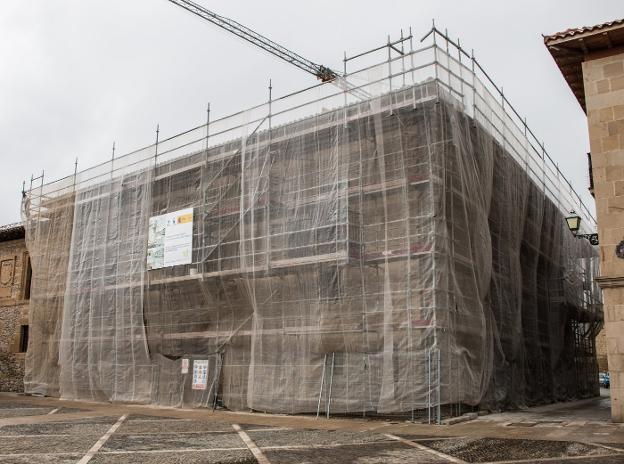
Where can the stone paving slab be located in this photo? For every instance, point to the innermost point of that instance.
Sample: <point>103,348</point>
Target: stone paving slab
<point>375,453</point>
<point>22,412</point>
<point>313,437</point>
<point>496,449</point>
<point>167,425</point>
<point>57,428</point>
<point>163,442</point>
<point>47,444</point>
<point>8,404</point>
<point>42,459</point>
<point>201,457</point>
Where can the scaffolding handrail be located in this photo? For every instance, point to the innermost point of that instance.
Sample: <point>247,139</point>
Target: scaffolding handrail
<point>545,171</point>
<point>544,154</point>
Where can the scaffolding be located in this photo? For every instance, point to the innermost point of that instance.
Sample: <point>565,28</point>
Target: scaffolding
<point>403,253</point>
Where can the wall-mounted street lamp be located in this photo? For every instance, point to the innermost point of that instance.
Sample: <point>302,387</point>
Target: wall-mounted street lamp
<point>574,224</point>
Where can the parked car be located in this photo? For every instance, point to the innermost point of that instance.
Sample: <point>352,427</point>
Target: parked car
<point>604,379</point>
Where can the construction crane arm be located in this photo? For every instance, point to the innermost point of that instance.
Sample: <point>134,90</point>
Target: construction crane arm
<point>323,73</point>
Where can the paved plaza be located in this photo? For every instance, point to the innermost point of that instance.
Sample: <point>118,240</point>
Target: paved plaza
<point>46,430</point>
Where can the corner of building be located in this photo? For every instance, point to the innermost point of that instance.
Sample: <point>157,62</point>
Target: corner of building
<point>591,60</point>
<point>15,276</point>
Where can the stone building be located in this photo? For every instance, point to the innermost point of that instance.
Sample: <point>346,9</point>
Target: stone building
<point>398,251</point>
<point>15,276</point>
<point>591,60</point>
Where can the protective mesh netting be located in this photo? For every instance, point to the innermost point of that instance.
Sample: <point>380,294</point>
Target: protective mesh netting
<point>388,256</point>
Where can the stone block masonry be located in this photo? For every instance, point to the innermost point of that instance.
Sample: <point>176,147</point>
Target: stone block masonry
<point>14,302</point>
<point>604,92</point>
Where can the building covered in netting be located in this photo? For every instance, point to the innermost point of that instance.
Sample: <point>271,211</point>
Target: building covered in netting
<point>393,246</point>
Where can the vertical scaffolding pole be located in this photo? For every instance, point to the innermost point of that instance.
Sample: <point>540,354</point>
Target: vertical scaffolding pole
<point>461,74</point>
<point>413,83</point>
<point>429,385</point>
<point>435,58</point>
<point>344,65</point>
<point>403,58</point>
<point>218,379</point>
<point>331,383</point>
<point>474,86</point>
<point>318,405</point>
<point>202,211</point>
<point>389,46</point>
<point>156,145</point>
<point>112,161</point>
<point>267,210</point>
<point>41,201</point>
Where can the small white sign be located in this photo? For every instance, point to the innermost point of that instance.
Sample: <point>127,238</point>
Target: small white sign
<point>200,374</point>
<point>185,366</point>
<point>170,239</point>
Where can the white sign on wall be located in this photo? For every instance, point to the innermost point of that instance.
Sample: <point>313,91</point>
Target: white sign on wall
<point>200,374</point>
<point>170,239</point>
<point>185,366</point>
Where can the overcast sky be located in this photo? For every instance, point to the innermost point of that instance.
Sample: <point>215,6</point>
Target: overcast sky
<point>76,75</point>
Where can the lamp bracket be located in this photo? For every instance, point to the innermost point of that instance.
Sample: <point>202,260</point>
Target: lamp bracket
<point>593,238</point>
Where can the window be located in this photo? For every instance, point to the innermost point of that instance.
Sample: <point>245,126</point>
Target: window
<point>23,343</point>
<point>26,277</point>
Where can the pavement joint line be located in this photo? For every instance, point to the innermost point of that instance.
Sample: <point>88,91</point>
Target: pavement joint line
<point>23,409</point>
<point>436,438</point>
<point>426,449</point>
<point>175,450</point>
<point>53,411</point>
<point>23,455</point>
<point>318,446</point>
<point>56,422</point>
<point>275,429</point>
<point>602,445</point>
<point>204,432</point>
<point>103,439</point>
<point>37,435</point>
<point>224,432</point>
<point>73,415</point>
<point>258,454</point>
<point>168,419</point>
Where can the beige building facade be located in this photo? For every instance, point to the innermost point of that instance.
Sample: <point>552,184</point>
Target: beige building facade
<point>591,60</point>
<point>15,277</point>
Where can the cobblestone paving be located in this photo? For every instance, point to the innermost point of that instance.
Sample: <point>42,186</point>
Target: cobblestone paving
<point>45,431</point>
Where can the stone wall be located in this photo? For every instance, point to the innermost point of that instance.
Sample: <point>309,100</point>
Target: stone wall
<point>604,93</point>
<point>601,351</point>
<point>13,313</point>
